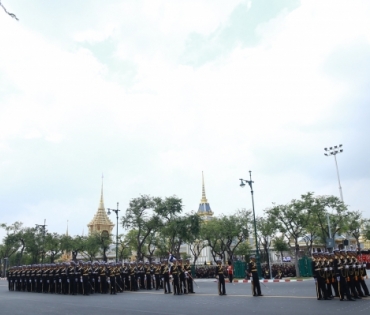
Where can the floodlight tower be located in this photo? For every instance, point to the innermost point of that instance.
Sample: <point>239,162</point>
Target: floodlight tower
<point>333,151</point>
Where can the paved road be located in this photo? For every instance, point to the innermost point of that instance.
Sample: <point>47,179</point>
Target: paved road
<point>279,298</point>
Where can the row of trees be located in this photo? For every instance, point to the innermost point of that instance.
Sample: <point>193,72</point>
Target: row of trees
<point>156,226</point>
<point>312,220</point>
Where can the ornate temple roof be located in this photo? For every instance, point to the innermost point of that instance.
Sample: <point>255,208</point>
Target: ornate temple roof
<point>100,218</point>
<point>204,207</point>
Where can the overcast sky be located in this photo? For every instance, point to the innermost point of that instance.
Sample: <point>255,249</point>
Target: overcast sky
<point>151,93</point>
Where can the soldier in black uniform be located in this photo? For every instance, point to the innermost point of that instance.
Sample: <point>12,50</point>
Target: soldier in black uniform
<point>125,276</point>
<point>182,282</point>
<point>352,275</point>
<point>189,278</point>
<point>174,272</point>
<point>165,272</point>
<point>342,269</point>
<point>363,274</point>
<point>148,276</point>
<point>157,274</point>
<point>140,275</point>
<point>219,271</point>
<point>253,273</point>
<point>133,277</point>
<point>103,278</point>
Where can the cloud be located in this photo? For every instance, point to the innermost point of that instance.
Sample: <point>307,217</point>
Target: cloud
<point>110,93</point>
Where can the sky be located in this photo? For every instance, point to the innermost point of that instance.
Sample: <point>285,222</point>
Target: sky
<point>151,93</point>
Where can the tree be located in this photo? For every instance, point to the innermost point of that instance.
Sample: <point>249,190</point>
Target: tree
<point>244,249</point>
<point>104,240</point>
<point>53,246</point>
<point>91,247</point>
<point>11,241</point>
<point>211,233</point>
<point>266,230</point>
<point>74,245</point>
<point>196,247</point>
<point>291,219</point>
<point>355,225</point>
<point>179,230</point>
<point>142,217</point>
<point>322,207</point>
<point>234,230</point>
<point>280,245</point>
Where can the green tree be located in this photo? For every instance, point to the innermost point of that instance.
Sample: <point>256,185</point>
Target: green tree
<point>142,217</point>
<point>291,220</point>
<point>280,245</point>
<point>11,241</point>
<point>266,230</point>
<point>53,246</point>
<point>322,207</point>
<point>355,224</point>
<point>234,230</point>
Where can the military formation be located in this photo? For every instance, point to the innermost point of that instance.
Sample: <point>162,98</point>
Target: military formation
<point>339,274</point>
<point>85,278</point>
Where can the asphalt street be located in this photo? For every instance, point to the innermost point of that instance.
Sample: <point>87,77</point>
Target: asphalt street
<point>279,298</point>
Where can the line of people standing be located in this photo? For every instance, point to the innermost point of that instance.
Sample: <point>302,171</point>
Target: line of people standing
<point>340,272</point>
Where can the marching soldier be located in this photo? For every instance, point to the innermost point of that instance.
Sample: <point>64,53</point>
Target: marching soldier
<point>352,276</point>
<point>103,278</point>
<point>133,277</point>
<point>182,279</point>
<point>174,272</point>
<point>221,278</point>
<point>157,274</point>
<point>252,270</point>
<point>189,279</point>
<point>165,272</point>
<point>148,276</point>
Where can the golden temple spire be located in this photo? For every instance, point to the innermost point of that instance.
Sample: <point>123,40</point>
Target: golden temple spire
<point>204,198</point>
<point>100,221</point>
<point>101,206</point>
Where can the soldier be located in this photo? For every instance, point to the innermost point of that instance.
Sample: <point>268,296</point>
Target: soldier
<point>219,271</point>
<point>182,282</point>
<point>71,278</point>
<point>174,272</point>
<point>357,266</point>
<point>148,276</point>
<point>253,273</point>
<point>103,278</point>
<point>141,275</point>
<point>165,272</point>
<point>188,278</point>
<point>352,275</point>
<point>363,274</point>
<point>119,287</point>
<point>133,277</point>
<point>157,274</point>
<point>126,276</point>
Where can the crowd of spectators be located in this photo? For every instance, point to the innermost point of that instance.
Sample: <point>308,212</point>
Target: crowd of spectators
<point>279,271</point>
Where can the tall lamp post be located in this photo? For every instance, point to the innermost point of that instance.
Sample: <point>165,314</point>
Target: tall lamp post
<point>116,211</point>
<point>242,184</point>
<point>333,151</point>
<point>43,227</point>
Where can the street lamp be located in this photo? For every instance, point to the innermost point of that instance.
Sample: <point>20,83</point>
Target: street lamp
<point>242,184</point>
<point>333,151</point>
<point>116,211</point>
<point>43,227</point>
